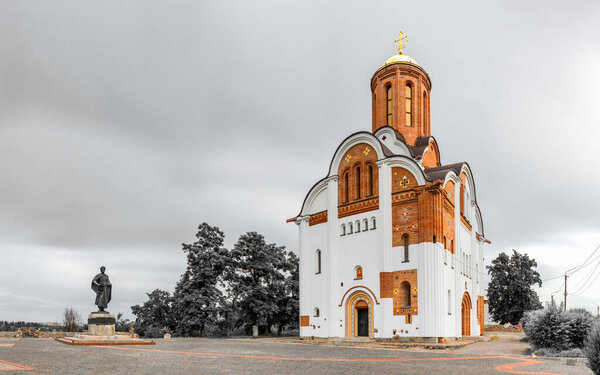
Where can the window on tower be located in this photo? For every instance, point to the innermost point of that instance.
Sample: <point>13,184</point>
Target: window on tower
<point>408,104</point>
<point>424,110</point>
<point>389,104</point>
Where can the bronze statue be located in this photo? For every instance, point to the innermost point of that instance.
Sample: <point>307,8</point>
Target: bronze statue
<point>103,288</point>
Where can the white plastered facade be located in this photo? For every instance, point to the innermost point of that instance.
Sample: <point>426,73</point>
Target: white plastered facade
<point>443,278</point>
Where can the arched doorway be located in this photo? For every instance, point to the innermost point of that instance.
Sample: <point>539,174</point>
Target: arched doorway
<point>465,309</point>
<point>359,315</point>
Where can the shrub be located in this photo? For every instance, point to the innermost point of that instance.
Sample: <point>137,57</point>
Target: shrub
<point>592,349</point>
<point>557,330</point>
<point>156,332</point>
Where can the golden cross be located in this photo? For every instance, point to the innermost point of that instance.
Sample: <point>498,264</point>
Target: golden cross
<point>401,43</point>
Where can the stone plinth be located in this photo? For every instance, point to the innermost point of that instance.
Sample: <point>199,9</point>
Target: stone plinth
<point>101,331</point>
<point>101,324</point>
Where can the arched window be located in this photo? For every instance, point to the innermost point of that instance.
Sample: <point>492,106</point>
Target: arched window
<point>405,241</point>
<point>318,265</point>
<point>317,312</point>
<point>365,225</point>
<point>346,187</point>
<point>343,230</point>
<point>405,294</point>
<point>408,104</point>
<point>349,228</point>
<point>371,182</point>
<point>389,104</point>
<point>357,226</point>
<point>358,272</point>
<point>373,223</point>
<point>357,182</point>
<point>449,302</point>
<point>424,109</point>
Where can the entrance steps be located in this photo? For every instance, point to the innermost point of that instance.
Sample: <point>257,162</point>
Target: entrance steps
<point>350,341</point>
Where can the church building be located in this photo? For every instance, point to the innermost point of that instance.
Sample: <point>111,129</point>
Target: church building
<point>391,240</point>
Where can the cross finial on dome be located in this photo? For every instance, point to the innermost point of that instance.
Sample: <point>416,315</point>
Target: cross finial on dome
<point>401,44</point>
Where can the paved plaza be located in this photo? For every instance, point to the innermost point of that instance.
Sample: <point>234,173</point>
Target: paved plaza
<point>269,356</point>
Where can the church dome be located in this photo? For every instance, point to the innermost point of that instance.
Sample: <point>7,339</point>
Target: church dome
<point>399,59</point>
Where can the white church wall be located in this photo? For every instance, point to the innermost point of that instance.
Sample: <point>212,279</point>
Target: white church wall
<point>318,283</point>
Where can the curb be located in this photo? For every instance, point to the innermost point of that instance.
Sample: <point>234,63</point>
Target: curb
<point>565,360</point>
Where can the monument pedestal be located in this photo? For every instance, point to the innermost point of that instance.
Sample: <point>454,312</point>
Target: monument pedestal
<point>101,331</point>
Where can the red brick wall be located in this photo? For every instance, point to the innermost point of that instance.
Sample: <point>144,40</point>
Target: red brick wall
<point>359,156</point>
<point>397,75</point>
<point>391,287</point>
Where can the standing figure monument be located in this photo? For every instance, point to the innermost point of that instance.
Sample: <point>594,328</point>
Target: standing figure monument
<point>103,288</point>
<point>101,324</point>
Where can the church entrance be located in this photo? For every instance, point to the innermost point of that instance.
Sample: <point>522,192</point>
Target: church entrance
<point>465,309</point>
<point>359,315</point>
<point>363,321</point>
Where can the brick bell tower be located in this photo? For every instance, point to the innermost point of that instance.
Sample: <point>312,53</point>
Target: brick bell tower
<point>400,96</point>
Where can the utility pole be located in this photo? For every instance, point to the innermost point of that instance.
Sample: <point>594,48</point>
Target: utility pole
<point>565,305</point>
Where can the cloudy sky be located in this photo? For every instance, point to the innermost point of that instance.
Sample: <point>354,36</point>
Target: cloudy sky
<point>123,125</point>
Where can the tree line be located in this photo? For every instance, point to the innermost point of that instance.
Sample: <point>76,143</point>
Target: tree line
<point>225,291</point>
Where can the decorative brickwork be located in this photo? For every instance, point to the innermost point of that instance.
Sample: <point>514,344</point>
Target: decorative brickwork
<point>318,218</point>
<point>358,174</point>
<point>402,180</point>
<point>402,287</point>
<point>304,321</point>
<point>366,205</point>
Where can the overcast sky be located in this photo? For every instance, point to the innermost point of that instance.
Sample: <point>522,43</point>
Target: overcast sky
<point>123,125</point>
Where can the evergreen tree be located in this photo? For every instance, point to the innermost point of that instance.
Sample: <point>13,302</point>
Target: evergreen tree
<point>256,279</point>
<point>288,302</point>
<point>198,299</point>
<point>154,317</point>
<point>509,292</point>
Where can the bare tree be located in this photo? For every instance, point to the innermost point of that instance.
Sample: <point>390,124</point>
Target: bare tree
<point>72,320</point>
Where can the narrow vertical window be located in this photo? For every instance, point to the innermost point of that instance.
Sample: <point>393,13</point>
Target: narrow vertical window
<point>373,223</point>
<point>357,182</point>
<point>358,225</point>
<point>317,312</point>
<point>408,104</point>
<point>365,225</point>
<point>370,180</point>
<point>343,230</point>
<point>405,239</point>
<point>389,105</point>
<point>350,228</point>
<point>449,302</point>
<point>424,110</point>
<point>346,187</point>
<point>318,261</point>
